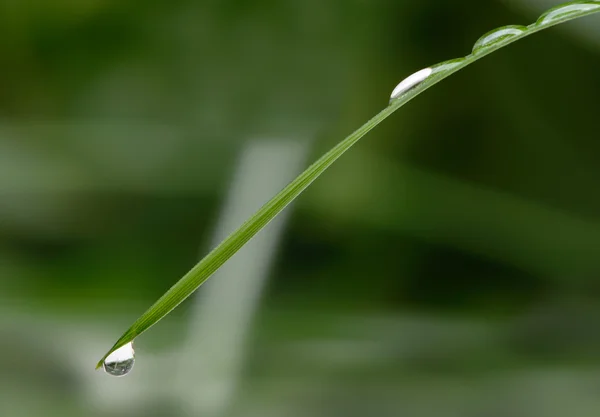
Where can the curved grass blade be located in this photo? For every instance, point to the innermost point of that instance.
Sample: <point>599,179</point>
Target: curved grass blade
<point>487,44</point>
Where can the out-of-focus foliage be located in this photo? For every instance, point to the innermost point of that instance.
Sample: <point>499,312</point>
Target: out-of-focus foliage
<point>120,126</point>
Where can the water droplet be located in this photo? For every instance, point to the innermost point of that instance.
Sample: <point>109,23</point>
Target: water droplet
<point>496,36</point>
<point>568,9</point>
<point>446,66</point>
<point>410,81</point>
<point>120,362</point>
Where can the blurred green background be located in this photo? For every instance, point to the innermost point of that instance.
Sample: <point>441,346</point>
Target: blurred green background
<point>446,266</point>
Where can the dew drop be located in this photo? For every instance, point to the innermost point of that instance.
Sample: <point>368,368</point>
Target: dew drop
<point>120,362</point>
<point>410,81</point>
<point>446,66</point>
<point>496,36</point>
<point>568,9</point>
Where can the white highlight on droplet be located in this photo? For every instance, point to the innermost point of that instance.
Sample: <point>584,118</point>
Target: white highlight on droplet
<point>122,354</point>
<point>120,362</point>
<point>410,81</point>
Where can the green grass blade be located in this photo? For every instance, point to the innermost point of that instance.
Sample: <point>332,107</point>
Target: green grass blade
<point>226,249</point>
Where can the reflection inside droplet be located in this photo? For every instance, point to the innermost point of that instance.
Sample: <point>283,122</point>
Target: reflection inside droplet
<point>497,35</point>
<point>410,81</point>
<point>565,10</point>
<point>120,362</point>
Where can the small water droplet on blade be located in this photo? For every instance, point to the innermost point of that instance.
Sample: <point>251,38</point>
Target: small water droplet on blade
<point>410,81</point>
<point>496,36</point>
<point>567,10</point>
<point>120,362</point>
<point>446,66</point>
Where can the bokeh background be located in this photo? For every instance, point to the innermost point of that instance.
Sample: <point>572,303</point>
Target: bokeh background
<point>446,266</point>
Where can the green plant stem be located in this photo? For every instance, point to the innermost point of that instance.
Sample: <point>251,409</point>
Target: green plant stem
<point>226,249</point>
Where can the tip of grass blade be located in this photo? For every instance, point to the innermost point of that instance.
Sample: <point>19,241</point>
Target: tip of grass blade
<point>121,342</point>
<point>101,361</point>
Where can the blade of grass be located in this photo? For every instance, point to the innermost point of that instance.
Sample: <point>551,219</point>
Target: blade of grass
<point>226,249</point>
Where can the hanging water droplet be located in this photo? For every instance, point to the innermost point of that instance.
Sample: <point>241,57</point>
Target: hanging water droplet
<point>446,66</point>
<point>410,81</point>
<point>568,9</point>
<point>120,362</point>
<point>496,36</point>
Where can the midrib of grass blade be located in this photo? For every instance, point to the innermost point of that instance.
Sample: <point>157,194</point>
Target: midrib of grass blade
<point>226,249</point>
